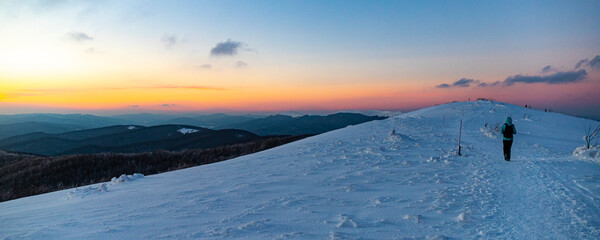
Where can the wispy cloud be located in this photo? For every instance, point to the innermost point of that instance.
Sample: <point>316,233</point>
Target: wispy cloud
<point>582,63</point>
<point>594,63</point>
<point>190,87</point>
<point>463,82</point>
<point>94,51</point>
<point>48,91</point>
<point>204,66</point>
<point>241,64</point>
<point>79,37</point>
<point>557,78</point>
<point>133,106</point>
<point>565,77</point>
<point>227,48</point>
<point>168,105</point>
<point>483,84</point>
<point>169,40</point>
<point>548,69</point>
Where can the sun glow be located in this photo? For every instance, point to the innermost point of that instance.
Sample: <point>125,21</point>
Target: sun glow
<point>31,60</point>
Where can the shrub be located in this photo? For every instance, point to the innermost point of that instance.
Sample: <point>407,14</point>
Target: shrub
<point>591,136</point>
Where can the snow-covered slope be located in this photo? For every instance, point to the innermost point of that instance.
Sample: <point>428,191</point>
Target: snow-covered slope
<point>360,182</point>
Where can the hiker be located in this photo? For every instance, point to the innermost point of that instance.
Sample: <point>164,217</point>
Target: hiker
<point>508,129</point>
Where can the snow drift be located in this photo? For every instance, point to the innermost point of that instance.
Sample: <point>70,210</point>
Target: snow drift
<point>592,153</point>
<point>388,179</point>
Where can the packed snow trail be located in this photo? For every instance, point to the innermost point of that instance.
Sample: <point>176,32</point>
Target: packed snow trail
<point>360,182</point>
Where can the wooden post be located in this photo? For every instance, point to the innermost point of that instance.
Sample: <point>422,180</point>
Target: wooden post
<point>459,136</point>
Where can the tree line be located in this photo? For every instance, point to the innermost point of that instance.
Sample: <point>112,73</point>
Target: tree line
<point>24,175</point>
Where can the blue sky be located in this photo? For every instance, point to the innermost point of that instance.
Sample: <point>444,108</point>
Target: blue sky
<point>342,54</point>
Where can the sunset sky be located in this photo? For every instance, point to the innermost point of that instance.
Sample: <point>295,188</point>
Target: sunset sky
<point>108,57</point>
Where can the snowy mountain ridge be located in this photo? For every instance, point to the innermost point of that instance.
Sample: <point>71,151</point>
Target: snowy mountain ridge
<point>398,178</point>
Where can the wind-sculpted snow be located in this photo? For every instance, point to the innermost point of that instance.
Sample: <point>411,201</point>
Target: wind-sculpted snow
<point>592,153</point>
<point>399,178</point>
<point>102,187</point>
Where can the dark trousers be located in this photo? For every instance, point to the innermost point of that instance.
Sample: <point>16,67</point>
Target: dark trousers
<point>507,144</point>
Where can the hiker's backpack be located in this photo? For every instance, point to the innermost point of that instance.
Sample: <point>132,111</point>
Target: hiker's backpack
<point>508,131</point>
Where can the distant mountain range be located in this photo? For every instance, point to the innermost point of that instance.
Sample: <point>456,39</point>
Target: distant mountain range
<point>14,125</point>
<point>307,124</point>
<point>125,139</point>
<point>56,134</point>
<point>212,121</point>
<point>14,129</point>
<point>83,120</point>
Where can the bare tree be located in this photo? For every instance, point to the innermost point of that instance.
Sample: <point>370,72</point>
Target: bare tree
<point>591,136</point>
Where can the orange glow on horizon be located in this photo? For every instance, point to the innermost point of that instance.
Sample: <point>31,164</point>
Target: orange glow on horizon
<point>190,94</point>
<point>192,98</point>
<point>276,98</point>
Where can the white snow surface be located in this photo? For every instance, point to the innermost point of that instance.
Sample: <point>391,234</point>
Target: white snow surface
<point>187,130</point>
<point>359,182</point>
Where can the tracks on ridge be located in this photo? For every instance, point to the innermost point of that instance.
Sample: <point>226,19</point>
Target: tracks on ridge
<point>531,199</point>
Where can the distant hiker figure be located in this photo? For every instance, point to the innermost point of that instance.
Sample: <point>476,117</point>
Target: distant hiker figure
<point>508,129</point>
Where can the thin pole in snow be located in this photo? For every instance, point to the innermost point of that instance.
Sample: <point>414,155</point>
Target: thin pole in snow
<point>459,136</point>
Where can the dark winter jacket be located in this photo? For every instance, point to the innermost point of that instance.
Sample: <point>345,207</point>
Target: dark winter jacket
<point>508,129</point>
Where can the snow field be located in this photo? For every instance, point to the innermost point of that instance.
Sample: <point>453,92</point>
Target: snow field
<point>360,182</point>
<point>187,130</point>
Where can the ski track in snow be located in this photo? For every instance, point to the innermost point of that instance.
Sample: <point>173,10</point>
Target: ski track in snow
<point>360,182</point>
